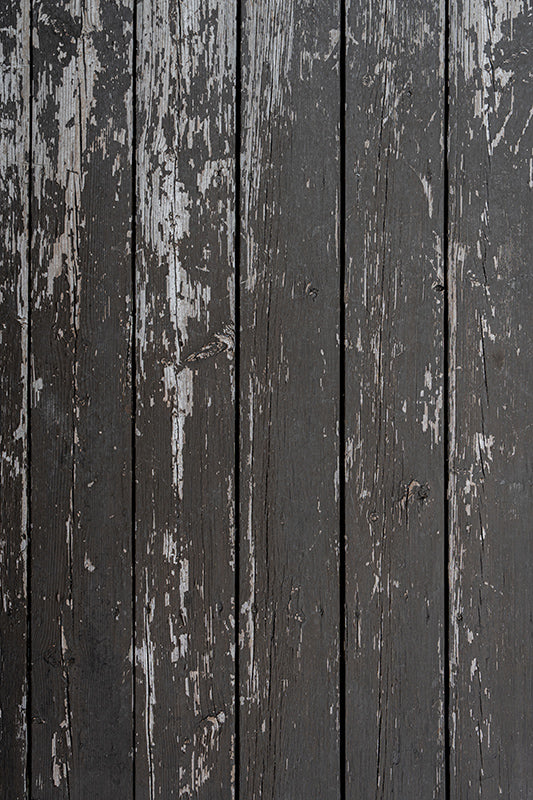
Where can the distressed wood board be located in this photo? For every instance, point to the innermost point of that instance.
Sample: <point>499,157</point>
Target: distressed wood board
<point>80,470</point>
<point>490,481</point>
<point>14,377</point>
<point>185,400</point>
<point>289,401</point>
<point>395,503</point>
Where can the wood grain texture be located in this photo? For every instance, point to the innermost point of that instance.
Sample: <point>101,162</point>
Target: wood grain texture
<point>490,396</point>
<point>14,196</point>
<point>289,394</point>
<point>162,461</point>
<point>394,400</point>
<point>185,466</point>
<point>81,400</point>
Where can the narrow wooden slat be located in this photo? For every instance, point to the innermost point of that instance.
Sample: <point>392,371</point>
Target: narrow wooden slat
<point>490,405</point>
<point>185,465</point>
<point>14,194</point>
<point>81,400</point>
<point>395,519</point>
<point>289,392</point>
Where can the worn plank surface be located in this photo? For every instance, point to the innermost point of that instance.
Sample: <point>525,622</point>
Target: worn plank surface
<point>289,394</point>
<point>185,468</point>
<point>394,399</point>
<point>81,623</point>
<point>14,197</point>
<point>490,396</point>
<point>241,242</point>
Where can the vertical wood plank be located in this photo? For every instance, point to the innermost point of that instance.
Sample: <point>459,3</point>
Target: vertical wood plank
<point>490,386</point>
<point>14,194</point>
<point>185,461</point>
<point>394,400</point>
<point>81,400</point>
<point>289,391</point>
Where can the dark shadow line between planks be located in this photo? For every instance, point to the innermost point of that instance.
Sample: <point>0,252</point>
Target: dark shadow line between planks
<point>28,710</point>
<point>133,356</point>
<point>446,403</point>
<point>342,402</point>
<point>237,395</point>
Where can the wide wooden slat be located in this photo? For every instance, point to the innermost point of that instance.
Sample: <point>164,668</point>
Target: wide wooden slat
<point>490,401</point>
<point>81,477</point>
<point>395,520</point>
<point>14,195</point>
<point>289,393</point>
<point>185,465</point>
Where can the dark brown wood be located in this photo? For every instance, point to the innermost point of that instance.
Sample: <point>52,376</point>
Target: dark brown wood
<point>186,176</point>
<point>14,197</point>
<point>490,279</point>
<point>395,527</point>
<point>81,478</point>
<point>185,465</point>
<point>289,395</point>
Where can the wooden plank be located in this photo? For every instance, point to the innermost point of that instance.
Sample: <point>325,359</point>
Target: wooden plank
<point>185,464</point>
<point>490,385</point>
<point>289,391</point>
<point>14,196</point>
<point>81,408</point>
<point>395,511</point>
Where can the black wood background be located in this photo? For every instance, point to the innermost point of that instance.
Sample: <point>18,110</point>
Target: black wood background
<point>265,368</point>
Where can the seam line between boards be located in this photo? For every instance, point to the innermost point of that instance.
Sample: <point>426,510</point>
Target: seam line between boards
<point>237,269</point>
<point>342,401</point>
<point>133,206</point>
<point>27,400</point>
<point>446,404</point>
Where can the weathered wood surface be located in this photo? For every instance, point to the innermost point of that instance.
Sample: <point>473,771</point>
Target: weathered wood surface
<point>81,599</point>
<point>289,395</point>
<point>213,194</point>
<point>184,452</point>
<point>490,400</point>
<point>395,516</point>
<point>14,197</point>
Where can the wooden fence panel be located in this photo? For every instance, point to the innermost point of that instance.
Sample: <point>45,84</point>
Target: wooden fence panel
<point>265,366</point>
